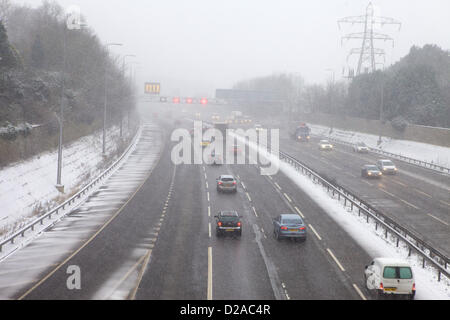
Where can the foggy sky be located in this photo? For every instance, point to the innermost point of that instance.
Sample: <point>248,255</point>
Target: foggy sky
<point>195,46</point>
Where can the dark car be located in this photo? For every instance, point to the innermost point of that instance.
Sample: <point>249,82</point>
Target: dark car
<point>370,171</point>
<point>289,226</point>
<point>226,183</point>
<point>228,222</point>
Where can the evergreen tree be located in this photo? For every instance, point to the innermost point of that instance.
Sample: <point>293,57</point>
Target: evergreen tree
<point>7,57</point>
<point>37,53</point>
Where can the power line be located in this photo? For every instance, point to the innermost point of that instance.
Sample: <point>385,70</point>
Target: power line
<point>367,52</point>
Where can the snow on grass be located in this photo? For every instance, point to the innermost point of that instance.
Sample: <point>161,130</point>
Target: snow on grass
<point>421,151</point>
<point>371,240</point>
<point>27,188</point>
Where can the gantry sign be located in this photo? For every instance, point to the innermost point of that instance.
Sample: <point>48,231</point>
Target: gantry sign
<point>152,88</point>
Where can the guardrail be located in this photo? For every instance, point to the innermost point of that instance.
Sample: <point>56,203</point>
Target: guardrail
<point>420,163</point>
<point>435,258</point>
<point>56,211</point>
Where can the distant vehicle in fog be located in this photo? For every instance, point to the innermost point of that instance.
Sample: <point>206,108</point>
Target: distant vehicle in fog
<point>300,132</point>
<point>387,166</point>
<point>325,145</point>
<point>361,147</point>
<point>370,171</point>
<point>163,99</point>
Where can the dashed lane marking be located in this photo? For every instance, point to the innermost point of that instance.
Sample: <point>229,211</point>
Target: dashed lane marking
<point>336,260</point>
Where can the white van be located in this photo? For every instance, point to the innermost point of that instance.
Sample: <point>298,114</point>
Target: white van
<point>388,276</point>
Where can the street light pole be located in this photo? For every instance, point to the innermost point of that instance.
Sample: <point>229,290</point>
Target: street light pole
<point>106,95</point>
<point>123,73</point>
<point>59,185</point>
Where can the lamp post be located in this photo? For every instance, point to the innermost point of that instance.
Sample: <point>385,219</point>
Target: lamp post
<point>123,73</point>
<point>60,118</point>
<point>132,83</point>
<point>106,95</point>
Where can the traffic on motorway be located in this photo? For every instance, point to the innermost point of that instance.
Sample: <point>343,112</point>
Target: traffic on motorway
<point>226,157</point>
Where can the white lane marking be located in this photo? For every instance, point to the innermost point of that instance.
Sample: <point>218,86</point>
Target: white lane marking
<point>404,201</point>
<point>398,182</point>
<point>209,211</point>
<point>287,197</point>
<point>315,232</point>
<point>209,231</point>
<point>270,177</point>
<point>441,221</point>
<point>254,210</point>
<point>209,290</point>
<point>336,260</point>
<point>359,292</point>
<point>423,193</point>
<point>299,212</point>
<point>243,185</point>
<point>207,186</point>
<point>278,186</point>
<point>248,196</point>
<point>370,184</point>
<point>442,201</point>
<point>207,194</point>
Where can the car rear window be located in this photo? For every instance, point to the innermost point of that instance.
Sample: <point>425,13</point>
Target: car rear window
<point>227,179</point>
<point>390,273</point>
<point>405,273</point>
<point>292,221</point>
<point>397,273</point>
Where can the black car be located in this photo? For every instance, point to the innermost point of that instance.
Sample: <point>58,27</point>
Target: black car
<point>370,171</point>
<point>228,222</point>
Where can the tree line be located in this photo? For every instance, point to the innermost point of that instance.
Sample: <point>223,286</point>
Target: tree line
<point>415,90</point>
<point>32,63</point>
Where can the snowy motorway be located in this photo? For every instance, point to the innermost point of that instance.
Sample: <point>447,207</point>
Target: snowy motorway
<point>149,232</point>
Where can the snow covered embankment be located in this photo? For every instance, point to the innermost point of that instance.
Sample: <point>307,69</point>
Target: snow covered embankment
<point>27,189</point>
<point>411,149</point>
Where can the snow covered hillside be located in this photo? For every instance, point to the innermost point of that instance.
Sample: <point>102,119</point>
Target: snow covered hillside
<point>416,150</point>
<point>28,188</point>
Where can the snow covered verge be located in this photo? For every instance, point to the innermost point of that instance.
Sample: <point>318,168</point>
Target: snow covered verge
<point>415,150</point>
<point>371,240</point>
<point>27,188</point>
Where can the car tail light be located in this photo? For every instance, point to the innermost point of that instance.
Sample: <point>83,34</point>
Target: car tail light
<point>283,228</point>
<point>219,224</point>
<point>220,183</point>
<point>239,224</point>
<point>414,287</point>
<point>234,183</point>
<point>381,286</point>
<point>302,228</point>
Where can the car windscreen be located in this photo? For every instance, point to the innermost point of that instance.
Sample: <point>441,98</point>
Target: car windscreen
<point>292,221</point>
<point>374,168</point>
<point>387,163</point>
<point>397,273</point>
<point>325,142</point>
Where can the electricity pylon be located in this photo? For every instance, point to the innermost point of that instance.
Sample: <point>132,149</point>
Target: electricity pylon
<point>367,52</point>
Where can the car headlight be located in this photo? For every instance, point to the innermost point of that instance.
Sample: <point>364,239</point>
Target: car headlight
<point>370,173</point>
